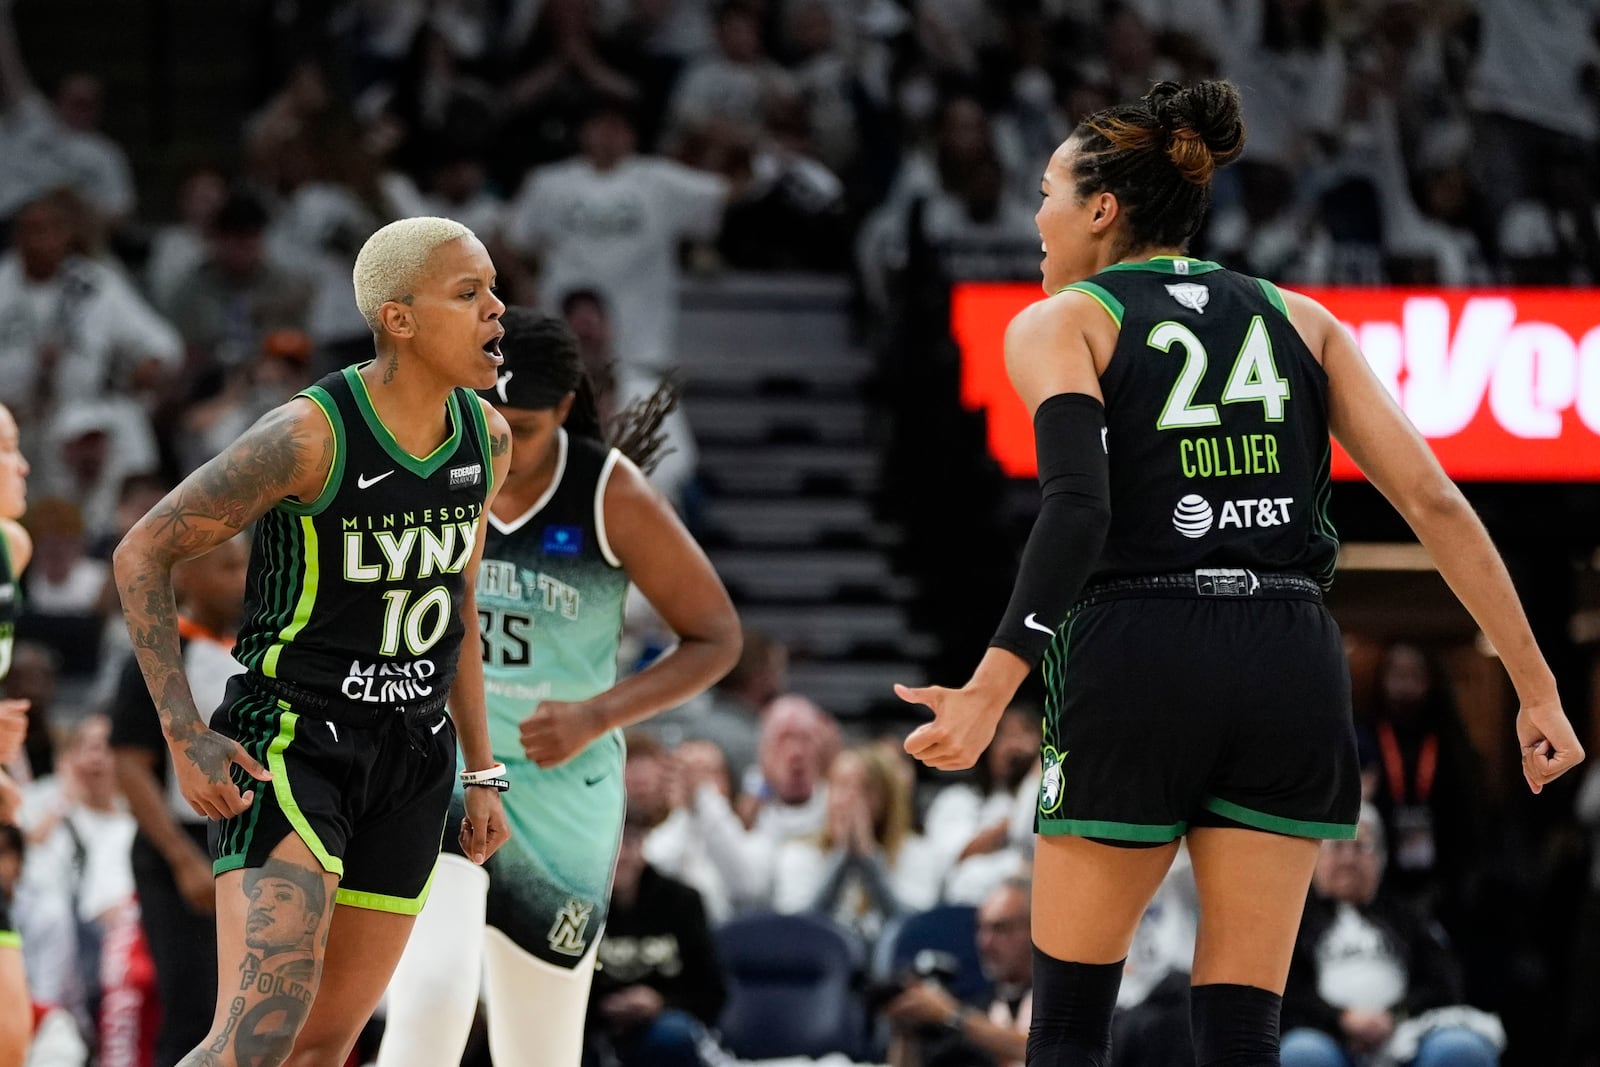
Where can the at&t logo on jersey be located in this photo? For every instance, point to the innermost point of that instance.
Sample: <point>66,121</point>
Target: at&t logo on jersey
<point>1193,516</point>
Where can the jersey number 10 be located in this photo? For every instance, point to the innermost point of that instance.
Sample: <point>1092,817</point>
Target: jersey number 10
<point>1254,377</point>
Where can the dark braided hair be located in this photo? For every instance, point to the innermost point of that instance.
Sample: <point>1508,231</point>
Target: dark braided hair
<point>1158,157</point>
<point>548,366</point>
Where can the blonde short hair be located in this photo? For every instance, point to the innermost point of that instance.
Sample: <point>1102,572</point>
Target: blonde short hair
<point>389,264</point>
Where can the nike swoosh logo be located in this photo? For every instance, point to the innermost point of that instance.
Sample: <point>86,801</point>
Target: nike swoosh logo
<point>436,727</point>
<point>1032,622</point>
<point>596,778</point>
<point>363,482</point>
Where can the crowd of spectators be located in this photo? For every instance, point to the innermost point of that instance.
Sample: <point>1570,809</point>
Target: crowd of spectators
<point>604,147</point>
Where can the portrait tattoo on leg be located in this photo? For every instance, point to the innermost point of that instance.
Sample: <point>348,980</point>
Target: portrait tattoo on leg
<point>277,977</point>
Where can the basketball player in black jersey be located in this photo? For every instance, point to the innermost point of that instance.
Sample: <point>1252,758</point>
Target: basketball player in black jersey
<point>330,763</point>
<point>16,548</point>
<point>1172,585</point>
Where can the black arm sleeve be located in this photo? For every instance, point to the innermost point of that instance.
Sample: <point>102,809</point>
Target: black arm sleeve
<point>1074,514</point>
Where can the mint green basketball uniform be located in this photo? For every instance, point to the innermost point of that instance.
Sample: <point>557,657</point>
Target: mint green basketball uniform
<point>550,599</point>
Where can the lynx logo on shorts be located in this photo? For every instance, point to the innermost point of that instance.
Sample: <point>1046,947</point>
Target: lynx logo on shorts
<point>567,934</point>
<point>1050,791</point>
<point>1191,295</point>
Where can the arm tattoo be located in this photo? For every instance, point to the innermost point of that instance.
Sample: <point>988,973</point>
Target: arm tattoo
<point>499,444</point>
<point>212,504</point>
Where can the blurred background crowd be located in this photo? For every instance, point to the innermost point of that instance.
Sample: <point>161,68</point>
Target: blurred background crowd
<point>769,200</point>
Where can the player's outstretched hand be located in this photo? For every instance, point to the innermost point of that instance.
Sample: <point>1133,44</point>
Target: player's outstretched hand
<point>558,730</point>
<point>963,724</point>
<point>484,828</point>
<point>1550,748</point>
<point>204,760</point>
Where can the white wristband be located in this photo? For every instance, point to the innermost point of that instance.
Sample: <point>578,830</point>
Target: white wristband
<point>487,774</point>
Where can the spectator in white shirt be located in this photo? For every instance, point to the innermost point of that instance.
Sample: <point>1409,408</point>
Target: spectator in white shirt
<point>970,821</point>
<point>612,221</point>
<point>177,248</point>
<point>734,85</point>
<point>867,866</point>
<point>702,843</point>
<point>73,329</point>
<point>43,147</point>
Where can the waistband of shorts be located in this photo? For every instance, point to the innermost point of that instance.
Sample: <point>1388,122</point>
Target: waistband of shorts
<point>1208,583</point>
<point>343,712</point>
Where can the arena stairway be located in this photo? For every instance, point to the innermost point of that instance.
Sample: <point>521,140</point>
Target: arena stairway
<point>789,466</point>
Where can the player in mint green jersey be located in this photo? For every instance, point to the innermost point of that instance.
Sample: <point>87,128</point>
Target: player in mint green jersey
<point>573,525</point>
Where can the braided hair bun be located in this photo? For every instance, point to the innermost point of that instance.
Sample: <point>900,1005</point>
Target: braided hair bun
<point>1203,125</point>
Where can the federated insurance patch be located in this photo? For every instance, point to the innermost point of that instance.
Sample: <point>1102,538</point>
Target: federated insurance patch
<point>1051,781</point>
<point>469,474</point>
<point>563,540</point>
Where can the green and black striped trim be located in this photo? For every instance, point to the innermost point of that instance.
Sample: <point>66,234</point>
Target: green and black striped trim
<point>330,485</point>
<point>1168,265</point>
<point>1321,498</point>
<point>1114,831</point>
<point>471,402</point>
<point>1100,295</point>
<point>1260,820</point>
<point>255,725</point>
<point>1274,296</point>
<point>423,466</point>
<point>280,557</point>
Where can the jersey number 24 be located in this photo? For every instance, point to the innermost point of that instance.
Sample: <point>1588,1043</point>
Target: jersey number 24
<point>1254,377</point>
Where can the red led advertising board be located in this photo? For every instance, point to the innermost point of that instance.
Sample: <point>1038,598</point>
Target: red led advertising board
<point>1504,384</point>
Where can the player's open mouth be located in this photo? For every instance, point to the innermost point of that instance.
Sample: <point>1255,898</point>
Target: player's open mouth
<point>491,348</point>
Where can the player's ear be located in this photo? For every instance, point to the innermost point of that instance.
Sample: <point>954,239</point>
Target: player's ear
<point>397,319</point>
<point>564,408</point>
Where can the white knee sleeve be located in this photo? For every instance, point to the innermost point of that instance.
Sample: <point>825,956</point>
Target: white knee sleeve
<point>536,1010</point>
<point>434,992</point>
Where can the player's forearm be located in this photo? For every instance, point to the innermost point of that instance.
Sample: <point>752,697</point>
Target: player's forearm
<point>688,670</point>
<point>1469,563</point>
<point>148,806</point>
<point>144,580</point>
<point>467,706</point>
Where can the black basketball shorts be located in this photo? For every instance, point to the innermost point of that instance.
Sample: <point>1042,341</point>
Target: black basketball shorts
<point>1167,709</point>
<point>368,800</point>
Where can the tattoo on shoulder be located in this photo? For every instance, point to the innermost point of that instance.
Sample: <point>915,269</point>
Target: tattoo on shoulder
<point>499,444</point>
<point>259,468</point>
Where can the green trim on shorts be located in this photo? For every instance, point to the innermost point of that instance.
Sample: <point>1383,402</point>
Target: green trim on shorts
<point>381,902</point>
<point>285,796</point>
<point>10,939</point>
<point>226,864</point>
<point>1260,820</point>
<point>1116,831</point>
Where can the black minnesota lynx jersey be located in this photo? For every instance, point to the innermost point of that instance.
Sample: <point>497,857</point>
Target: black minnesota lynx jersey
<point>1217,425</point>
<point>356,595</point>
